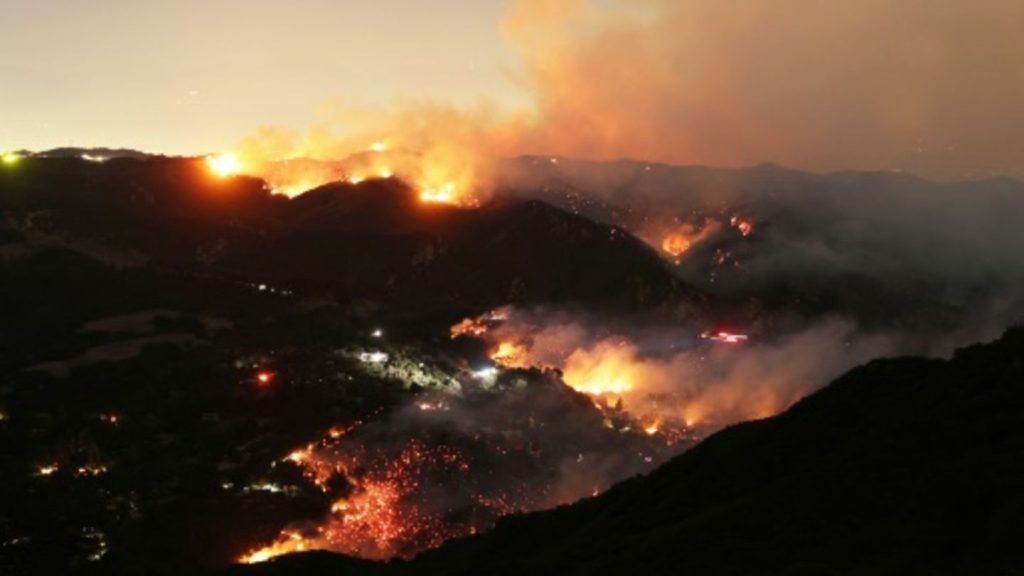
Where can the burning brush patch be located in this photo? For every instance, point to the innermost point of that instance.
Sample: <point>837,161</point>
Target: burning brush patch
<point>453,461</point>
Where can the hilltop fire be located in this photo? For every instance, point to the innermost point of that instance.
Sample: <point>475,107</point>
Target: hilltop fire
<point>224,165</point>
<point>446,178</point>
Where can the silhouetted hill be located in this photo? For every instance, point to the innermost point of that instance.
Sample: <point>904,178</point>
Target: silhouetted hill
<point>902,466</point>
<point>378,235</point>
<point>97,154</point>
<point>373,241</point>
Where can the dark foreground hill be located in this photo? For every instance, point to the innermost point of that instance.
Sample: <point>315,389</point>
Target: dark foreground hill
<point>903,466</point>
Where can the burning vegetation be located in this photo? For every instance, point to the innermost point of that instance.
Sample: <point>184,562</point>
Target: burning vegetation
<point>438,177</point>
<point>473,445</point>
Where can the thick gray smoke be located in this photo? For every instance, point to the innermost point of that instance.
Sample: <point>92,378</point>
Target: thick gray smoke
<point>887,250</point>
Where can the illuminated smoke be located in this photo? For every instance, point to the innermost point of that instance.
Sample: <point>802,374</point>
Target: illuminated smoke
<point>451,462</point>
<point>743,82</point>
<point>705,82</point>
<point>664,374</point>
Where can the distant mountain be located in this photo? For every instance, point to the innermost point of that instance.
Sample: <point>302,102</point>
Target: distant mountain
<point>902,466</point>
<point>97,154</point>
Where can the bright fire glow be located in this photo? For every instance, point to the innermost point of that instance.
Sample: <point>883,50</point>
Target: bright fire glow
<point>678,240</point>
<point>384,515</point>
<point>224,165</point>
<point>675,244</point>
<point>604,369</point>
<point>746,227</point>
<point>445,194</point>
<point>508,354</point>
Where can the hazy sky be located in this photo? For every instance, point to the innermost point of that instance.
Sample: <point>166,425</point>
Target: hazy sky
<point>197,75</point>
<point>933,87</point>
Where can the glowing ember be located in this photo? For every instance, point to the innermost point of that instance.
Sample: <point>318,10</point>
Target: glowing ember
<point>480,325</point>
<point>264,377</point>
<point>224,165</point>
<point>745,227</point>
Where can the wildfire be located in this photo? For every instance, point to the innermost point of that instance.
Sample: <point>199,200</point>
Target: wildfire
<point>680,239</point>
<point>384,513</point>
<point>288,542</point>
<point>468,327</point>
<point>444,195</point>
<point>480,325</point>
<point>606,369</point>
<point>224,165</point>
<point>746,227</point>
<point>264,377</point>
<point>675,244</point>
<point>508,354</point>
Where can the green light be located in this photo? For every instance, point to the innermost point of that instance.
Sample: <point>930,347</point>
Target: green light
<point>10,158</point>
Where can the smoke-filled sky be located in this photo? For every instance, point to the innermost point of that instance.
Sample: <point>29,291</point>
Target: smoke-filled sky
<point>929,86</point>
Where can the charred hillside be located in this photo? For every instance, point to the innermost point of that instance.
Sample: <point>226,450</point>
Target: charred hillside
<point>901,466</point>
